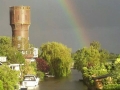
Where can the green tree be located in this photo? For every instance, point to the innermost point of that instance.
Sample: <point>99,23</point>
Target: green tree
<point>8,77</point>
<point>27,68</point>
<point>113,56</point>
<point>20,43</point>
<point>12,54</point>
<point>116,71</point>
<point>1,85</point>
<point>5,44</point>
<point>4,40</point>
<point>96,45</point>
<point>91,62</point>
<point>104,55</point>
<point>86,57</point>
<point>90,56</point>
<point>58,57</point>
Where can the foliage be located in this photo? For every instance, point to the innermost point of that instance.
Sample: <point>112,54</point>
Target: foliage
<point>5,44</point>
<point>58,57</point>
<point>90,56</point>
<point>34,65</point>
<point>113,56</point>
<point>40,75</point>
<point>42,65</point>
<point>111,87</point>
<point>96,45</point>
<point>117,61</point>
<point>86,57</point>
<point>1,85</point>
<point>22,42</point>
<point>12,54</point>
<point>104,56</point>
<point>5,40</point>
<point>27,68</point>
<point>8,77</point>
<point>91,62</point>
<point>116,71</point>
<point>96,70</point>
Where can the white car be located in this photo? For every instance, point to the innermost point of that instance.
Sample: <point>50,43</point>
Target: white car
<point>30,81</point>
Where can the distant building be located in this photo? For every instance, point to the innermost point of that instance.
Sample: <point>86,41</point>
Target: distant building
<point>3,59</point>
<point>35,53</point>
<point>15,67</point>
<point>20,22</point>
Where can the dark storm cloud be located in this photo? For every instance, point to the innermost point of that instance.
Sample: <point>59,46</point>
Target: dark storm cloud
<point>100,13</point>
<point>49,22</point>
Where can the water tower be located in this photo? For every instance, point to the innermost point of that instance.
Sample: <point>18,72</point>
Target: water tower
<point>20,22</point>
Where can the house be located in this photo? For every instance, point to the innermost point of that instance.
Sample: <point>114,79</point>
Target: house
<point>15,67</point>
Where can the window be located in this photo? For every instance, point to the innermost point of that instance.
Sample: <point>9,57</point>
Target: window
<point>18,17</point>
<point>19,38</point>
<point>23,52</point>
<point>18,45</point>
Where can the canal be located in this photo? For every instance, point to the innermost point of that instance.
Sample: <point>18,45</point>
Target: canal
<point>69,83</point>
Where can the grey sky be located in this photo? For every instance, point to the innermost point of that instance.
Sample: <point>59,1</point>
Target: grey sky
<point>49,22</point>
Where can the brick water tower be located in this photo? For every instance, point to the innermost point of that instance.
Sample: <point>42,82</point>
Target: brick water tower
<point>20,22</point>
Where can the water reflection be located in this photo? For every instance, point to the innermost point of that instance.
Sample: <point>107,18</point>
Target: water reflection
<point>70,83</point>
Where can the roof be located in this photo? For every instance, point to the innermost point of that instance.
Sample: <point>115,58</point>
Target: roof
<point>102,76</point>
<point>30,75</point>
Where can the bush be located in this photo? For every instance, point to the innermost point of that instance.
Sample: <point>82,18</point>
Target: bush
<point>8,77</point>
<point>27,68</point>
<point>42,65</point>
<point>111,87</point>
<point>40,75</point>
<point>1,85</point>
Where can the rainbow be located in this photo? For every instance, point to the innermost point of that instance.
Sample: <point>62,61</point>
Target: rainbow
<point>75,21</point>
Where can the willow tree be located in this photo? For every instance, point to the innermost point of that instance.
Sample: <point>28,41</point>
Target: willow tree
<point>58,57</point>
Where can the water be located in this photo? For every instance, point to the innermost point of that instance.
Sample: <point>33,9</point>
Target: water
<point>70,83</point>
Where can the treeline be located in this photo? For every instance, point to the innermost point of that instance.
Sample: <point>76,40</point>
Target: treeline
<point>93,62</point>
<point>56,59</point>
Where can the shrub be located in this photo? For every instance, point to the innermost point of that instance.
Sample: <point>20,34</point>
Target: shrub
<point>1,85</point>
<point>27,68</point>
<point>111,87</point>
<point>40,75</point>
<point>8,77</point>
<point>42,65</point>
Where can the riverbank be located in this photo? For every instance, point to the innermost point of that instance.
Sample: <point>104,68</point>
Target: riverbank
<point>68,83</point>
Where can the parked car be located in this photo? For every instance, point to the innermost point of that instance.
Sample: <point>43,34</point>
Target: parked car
<point>30,81</point>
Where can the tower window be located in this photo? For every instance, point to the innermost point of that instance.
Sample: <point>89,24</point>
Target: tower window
<point>18,45</point>
<point>19,37</point>
<point>18,17</point>
<point>26,18</point>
